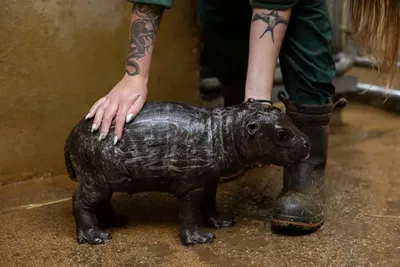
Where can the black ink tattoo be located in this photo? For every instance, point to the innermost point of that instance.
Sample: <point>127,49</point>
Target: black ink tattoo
<point>143,34</point>
<point>272,20</point>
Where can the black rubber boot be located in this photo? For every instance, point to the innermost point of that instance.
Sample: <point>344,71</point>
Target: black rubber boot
<point>300,206</point>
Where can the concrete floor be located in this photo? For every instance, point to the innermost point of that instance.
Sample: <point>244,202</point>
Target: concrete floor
<point>362,225</point>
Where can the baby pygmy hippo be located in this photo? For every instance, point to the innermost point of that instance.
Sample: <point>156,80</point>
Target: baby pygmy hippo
<point>180,149</point>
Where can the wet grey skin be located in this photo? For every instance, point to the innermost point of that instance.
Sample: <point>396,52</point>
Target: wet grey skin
<point>180,149</point>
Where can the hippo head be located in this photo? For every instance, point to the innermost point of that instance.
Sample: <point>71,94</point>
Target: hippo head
<point>268,136</point>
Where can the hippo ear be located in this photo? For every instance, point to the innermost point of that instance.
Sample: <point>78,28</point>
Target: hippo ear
<point>252,127</point>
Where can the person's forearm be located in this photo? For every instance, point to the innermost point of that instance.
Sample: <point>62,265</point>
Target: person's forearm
<point>268,28</point>
<point>145,21</point>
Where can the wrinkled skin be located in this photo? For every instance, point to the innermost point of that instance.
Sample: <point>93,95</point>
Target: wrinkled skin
<point>180,149</point>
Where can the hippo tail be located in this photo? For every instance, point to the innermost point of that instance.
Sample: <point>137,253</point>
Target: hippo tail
<point>68,163</point>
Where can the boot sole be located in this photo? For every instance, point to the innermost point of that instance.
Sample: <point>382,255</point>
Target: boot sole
<point>295,227</point>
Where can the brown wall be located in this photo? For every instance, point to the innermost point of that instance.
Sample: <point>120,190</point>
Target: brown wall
<point>58,57</point>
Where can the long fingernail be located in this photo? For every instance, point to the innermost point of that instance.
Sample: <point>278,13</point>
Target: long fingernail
<point>93,127</point>
<point>101,137</point>
<point>87,116</point>
<point>115,140</point>
<point>129,118</point>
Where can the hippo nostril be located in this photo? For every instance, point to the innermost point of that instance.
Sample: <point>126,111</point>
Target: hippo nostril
<point>307,145</point>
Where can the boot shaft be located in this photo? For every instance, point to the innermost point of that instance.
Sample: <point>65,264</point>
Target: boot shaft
<point>313,120</point>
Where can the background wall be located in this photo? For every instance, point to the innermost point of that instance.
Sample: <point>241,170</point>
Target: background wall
<point>58,57</point>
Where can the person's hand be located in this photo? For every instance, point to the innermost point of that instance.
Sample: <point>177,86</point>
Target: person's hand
<point>123,103</point>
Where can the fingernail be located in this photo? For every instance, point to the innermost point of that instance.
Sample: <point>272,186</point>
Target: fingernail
<point>87,116</point>
<point>101,137</point>
<point>129,118</point>
<point>115,140</point>
<point>93,127</point>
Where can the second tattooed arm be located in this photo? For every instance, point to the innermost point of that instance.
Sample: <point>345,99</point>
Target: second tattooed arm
<point>127,98</point>
<point>268,27</point>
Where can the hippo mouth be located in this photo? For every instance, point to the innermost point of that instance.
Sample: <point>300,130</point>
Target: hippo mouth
<point>299,156</point>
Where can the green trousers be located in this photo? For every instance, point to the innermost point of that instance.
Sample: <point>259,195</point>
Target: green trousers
<point>306,60</point>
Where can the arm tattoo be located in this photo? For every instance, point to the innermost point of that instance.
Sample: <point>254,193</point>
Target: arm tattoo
<point>272,20</point>
<point>143,34</point>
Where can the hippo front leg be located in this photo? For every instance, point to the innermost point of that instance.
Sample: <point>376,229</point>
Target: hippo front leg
<point>189,205</point>
<point>211,216</point>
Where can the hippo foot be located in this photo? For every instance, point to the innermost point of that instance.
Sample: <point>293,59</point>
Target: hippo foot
<point>191,237</point>
<point>93,236</point>
<point>219,221</point>
<point>113,221</point>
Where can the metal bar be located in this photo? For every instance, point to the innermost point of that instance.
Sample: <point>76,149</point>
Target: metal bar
<point>366,62</point>
<point>376,89</point>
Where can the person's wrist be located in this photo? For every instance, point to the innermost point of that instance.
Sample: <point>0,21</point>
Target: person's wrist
<point>136,78</point>
<point>264,94</point>
<point>258,87</point>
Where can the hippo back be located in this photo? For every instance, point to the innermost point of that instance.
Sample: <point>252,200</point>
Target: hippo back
<point>168,139</point>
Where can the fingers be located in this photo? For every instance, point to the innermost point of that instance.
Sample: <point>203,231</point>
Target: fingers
<point>135,108</point>
<point>104,111</point>
<point>99,115</point>
<point>119,122</point>
<point>127,115</point>
<point>94,108</point>
<point>109,115</point>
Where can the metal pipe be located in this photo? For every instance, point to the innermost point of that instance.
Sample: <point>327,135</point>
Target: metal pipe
<point>365,87</point>
<point>366,62</point>
<point>378,96</point>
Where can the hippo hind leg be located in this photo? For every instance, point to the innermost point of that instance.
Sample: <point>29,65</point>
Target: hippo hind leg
<point>85,202</point>
<point>107,217</point>
<point>211,216</point>
<point>189,206</point>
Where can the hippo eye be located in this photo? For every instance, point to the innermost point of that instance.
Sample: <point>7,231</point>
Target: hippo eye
<point>282,135</point>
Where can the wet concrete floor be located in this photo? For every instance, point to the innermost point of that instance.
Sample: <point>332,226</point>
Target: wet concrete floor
<point>362,225</point>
